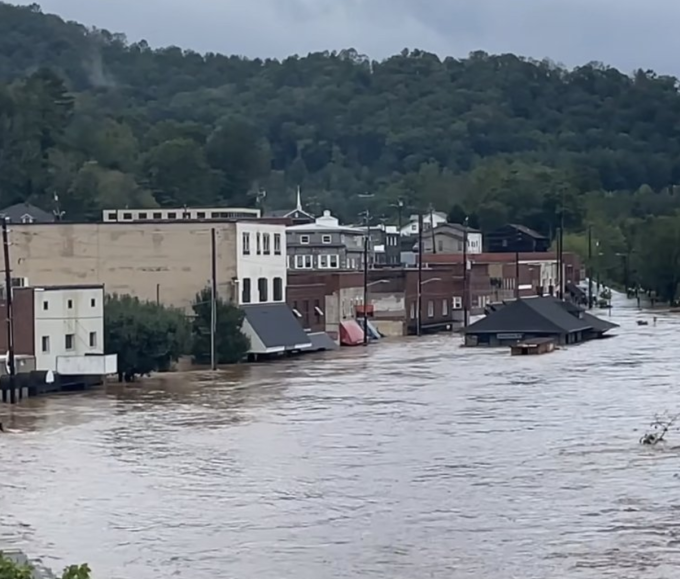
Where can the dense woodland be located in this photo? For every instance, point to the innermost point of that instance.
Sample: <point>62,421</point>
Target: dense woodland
<point>100,122</point>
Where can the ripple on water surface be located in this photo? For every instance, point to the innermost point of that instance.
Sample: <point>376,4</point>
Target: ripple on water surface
<point>410,459</point>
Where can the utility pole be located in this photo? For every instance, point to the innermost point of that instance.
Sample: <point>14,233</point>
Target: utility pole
<point>213,300</point>
<point>590,266</point>
<point>517,275</point>
<point>400,209</point>
<point>367,236</point>
<point>9,314</point>
<point>465,274</point>
<point>419,294</point>
<point>434,245</point>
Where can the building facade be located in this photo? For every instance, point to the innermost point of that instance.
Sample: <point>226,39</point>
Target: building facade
<point>179,213</point>
<point>68,321</point>
<point>430,220</point>
<point>513,238</point>
<point>325,245</point>
<point>260,263</point>
<point>450,238</point>
<point>61,328</point>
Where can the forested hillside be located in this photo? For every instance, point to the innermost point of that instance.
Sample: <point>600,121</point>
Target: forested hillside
<point>102,122</point>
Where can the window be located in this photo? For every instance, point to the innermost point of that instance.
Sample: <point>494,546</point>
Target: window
<point>304,239</point>
<point>457,303</point>
<point>27,219</point>
<point>258,243</point>
<point>200,215</point>
<point>127,215</point>
<point>413,310</point>
<point>278,289</point>
<point>445,307</point>
<point>172,215</point>
<point>326,239</point>
<point>262,288</point>
<point>299,261</point>
<point>246,243</point>
<point>113,216</point>
<point>277,244</point>
<point>70,340</point>
<point>158,215</point>
<point>142,215</point>
<point>70,304</point>
<point>266,246</point>
<point>430,309</point>
<point>333,262</point>
<point>245,290</point>
<point>45,344</point>
<point>46,305</point>
<point>323,261</point>
<point>93,339</point>
<point>308,262</point>
<point>186,215</point>
<point>93,303</point>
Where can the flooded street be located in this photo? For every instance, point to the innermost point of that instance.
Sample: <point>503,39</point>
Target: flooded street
<point>408,460</point>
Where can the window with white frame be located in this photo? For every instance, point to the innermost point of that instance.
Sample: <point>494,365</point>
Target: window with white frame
<point>277,244</point>
<point>326,239</point>
<point>258,239</point>
<point>323,261</point>
<point>246,243</point>
<point>333,262</point>
<point>93,339</point>
<point>266,244</point>
<point>45,344</point>
<point>457,303</point>
<point>304,239</point>
<point>308,262</point>
<point>70,341</point>
<point>299,261</point>
<point>445,307</point>
<point>430,309</point>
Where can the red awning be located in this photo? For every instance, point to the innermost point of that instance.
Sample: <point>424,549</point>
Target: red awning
<point>351,333</point>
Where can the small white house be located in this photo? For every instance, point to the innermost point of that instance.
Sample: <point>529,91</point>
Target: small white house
<point>430,221</point>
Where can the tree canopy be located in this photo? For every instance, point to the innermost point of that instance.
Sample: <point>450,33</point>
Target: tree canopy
<point>147,337</point>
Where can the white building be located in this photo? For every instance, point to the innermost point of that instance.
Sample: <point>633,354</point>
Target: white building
<point>179,214</point>
<point>62,329</point>
<point>430,220</point>
<point>68,321</point>
<point>261,262</point>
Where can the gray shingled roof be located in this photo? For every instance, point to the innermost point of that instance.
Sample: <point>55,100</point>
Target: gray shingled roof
<point>15,213</point>
<point>276,326</point>
<point>541,315</point>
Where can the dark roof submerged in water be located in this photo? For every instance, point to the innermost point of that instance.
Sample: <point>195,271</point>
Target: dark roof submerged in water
<point>544,315</point>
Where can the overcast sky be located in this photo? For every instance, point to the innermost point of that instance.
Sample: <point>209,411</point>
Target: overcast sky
<point>628,34</point>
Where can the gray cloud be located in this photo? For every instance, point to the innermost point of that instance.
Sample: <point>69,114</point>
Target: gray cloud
<point>625,33</point>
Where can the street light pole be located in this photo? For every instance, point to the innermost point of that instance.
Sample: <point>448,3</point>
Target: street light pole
<point>465,276</point>
<point>367,217</point>
<point>419,294</point>
<point>590,266</point>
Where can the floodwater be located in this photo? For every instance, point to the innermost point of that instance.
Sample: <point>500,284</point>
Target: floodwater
<point>412,459</point>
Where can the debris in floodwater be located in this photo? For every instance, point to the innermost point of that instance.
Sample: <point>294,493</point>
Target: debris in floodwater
<point>660,426</point>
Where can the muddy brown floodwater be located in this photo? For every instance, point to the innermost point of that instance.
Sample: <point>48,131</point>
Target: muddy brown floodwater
<point>407,460</point>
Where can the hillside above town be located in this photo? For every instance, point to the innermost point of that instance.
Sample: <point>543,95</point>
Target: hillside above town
<point>102,122</point>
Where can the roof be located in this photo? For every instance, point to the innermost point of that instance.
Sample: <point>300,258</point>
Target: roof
<point>276,326</point>
<point>527,231</point>
<point>321,228</point>
<point>459,227</point>
<point>497,257</point>
<point>320,341</point>
<point>16,213</point>
<point>542,315</point>
<point>598,324</point>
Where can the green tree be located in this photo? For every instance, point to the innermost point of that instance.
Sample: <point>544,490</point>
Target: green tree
<point>657,257</point>
<point>231,344</point>
<point>11,570</point>
<point>147,337</point>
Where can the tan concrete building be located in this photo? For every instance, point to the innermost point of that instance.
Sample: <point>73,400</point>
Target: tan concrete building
<point>169,262</point>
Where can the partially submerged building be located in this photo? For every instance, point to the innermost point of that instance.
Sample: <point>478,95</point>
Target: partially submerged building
<point>536,317</point>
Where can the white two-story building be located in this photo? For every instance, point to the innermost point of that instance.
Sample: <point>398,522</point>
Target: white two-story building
<point>261,276</point>
<point>62,328</point>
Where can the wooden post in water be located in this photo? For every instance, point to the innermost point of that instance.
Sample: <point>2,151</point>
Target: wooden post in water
<point>9,314</point>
